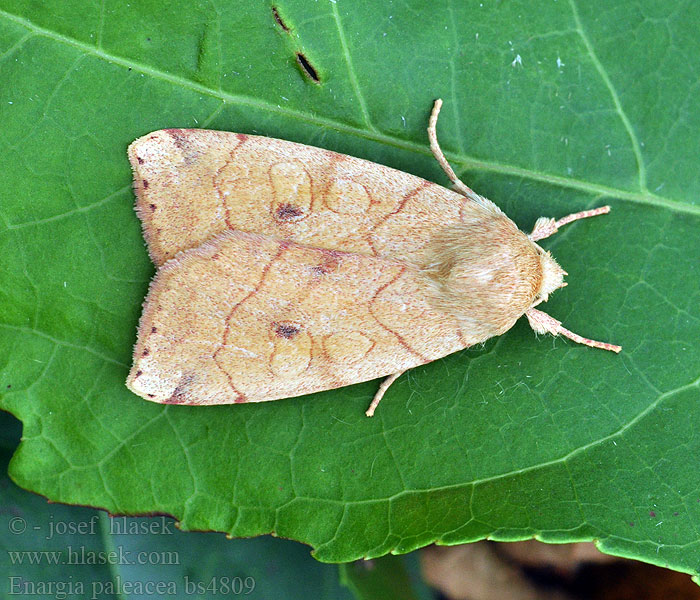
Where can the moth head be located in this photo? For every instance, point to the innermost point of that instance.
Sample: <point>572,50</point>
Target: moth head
<point>552,276</point>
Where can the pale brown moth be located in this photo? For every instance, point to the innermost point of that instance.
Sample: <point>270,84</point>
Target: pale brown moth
<point>285,269</point>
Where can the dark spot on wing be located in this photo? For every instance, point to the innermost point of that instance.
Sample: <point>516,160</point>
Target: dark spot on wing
<point>286,330</point>
<point>178,138</point>
<point>288,212</point>
<point>330,263</point>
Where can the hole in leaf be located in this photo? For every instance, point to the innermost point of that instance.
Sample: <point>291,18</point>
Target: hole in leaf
<point>280,22</point>
<point>307,68</point>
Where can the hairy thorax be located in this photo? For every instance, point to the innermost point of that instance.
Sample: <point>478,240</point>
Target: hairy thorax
<point>486,273</point>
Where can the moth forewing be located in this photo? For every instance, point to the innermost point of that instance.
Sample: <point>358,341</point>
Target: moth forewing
<point>287,269</point>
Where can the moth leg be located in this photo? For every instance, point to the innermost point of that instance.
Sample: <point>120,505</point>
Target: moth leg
<point>544,226</point>
<point>543,323</point>
<point>381,391</point>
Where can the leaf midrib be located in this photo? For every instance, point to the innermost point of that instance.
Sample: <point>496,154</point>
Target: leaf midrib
<point>468,163</point>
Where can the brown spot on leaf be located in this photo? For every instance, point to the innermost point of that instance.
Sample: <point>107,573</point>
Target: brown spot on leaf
<point>152,207</point>
<point>154,330</point>
<point>144,183</point>
<point>138,373</point>
<point>140,160</point>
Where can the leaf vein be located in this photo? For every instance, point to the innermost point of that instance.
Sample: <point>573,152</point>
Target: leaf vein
<point>636,147</point>
<point>643,197</point>
<point>351,68</point>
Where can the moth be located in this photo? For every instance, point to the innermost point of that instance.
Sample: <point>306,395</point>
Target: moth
<point>285,269</point>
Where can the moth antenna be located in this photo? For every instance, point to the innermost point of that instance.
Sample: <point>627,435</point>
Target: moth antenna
<point>544,227</point>
<point>381,391</point>
<point>440,157</point>
<point>457,183</point>
<point>542,323</point>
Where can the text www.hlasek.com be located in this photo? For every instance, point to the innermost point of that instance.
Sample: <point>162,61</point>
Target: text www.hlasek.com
<point>82,556</point>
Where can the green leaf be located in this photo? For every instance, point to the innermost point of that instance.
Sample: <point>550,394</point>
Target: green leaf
<point>50,550</point>
<point>547,111</point>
